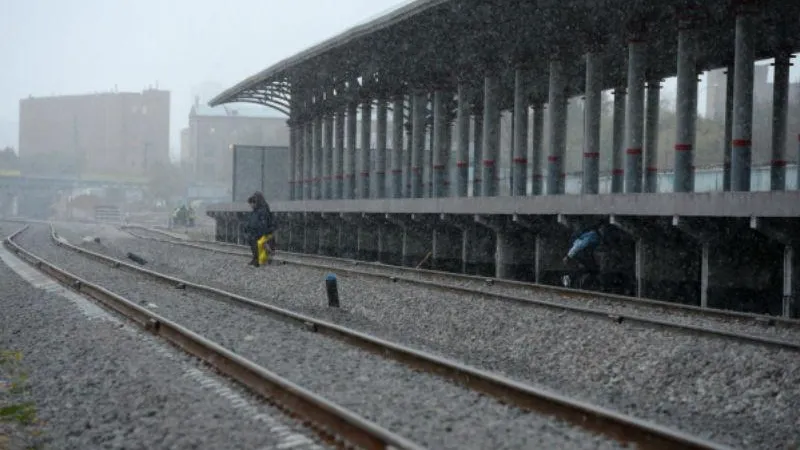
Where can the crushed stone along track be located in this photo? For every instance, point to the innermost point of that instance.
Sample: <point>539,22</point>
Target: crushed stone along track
<point>94,381</point>
<point>774,331</point>
<point>422,407</point>
<point>738,394</point>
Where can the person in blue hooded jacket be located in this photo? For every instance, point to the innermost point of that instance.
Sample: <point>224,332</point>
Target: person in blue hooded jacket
<point>584,243</point>
<point>259,223</point>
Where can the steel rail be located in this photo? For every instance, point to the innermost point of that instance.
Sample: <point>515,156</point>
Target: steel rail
<point>333,423</point>
<point>597,419</point>
<point>589,295</point>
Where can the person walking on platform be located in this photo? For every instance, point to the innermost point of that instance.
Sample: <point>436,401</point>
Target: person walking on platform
<point>259,224</point>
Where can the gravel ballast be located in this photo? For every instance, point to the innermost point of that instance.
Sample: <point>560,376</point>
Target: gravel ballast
<point>746,396</point>
<point>746,326</point>
<point>424,408</point>
<point>95,381</point>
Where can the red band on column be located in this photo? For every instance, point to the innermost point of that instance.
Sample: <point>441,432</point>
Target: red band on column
<point>634,151</point>
<point>742,142</point>
<point>591,154</point>
<point>683,147</point>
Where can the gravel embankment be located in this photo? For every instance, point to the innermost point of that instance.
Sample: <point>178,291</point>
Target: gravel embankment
<point>746,326</point>
<point>421,407</point>
<point>743,395</point>
<point>96,382</point>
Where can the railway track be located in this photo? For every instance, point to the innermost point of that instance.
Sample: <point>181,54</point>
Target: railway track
<point>333,423</point>
<point>598,420</point>
<point>775,332</point>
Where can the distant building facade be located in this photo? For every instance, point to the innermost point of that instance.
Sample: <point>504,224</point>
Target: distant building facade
<point>212,131</point>
<point>118,135</point>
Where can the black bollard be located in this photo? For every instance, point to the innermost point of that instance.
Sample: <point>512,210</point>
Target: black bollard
<point>333,290</point>
<point>136,258</point>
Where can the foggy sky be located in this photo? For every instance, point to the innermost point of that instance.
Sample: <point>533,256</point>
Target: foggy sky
<point>57,47</point>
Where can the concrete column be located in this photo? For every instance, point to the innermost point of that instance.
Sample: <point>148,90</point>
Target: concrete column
<point>440,150</point>
<point>504,254</point>
<point>789,305</point>
<point>327,149</point>
<point>685,116</point>
<point>462,142</point>
<point>491,135</point>
<point>397,147</point>
<point>338,185</point>
<point>317,175</point>
<point>651,136</point>
<point>419,106</point>
<point>704,273</point>
<point>726,146</point>
<point>537,140</point>
<point>350,168</point>
<point>556,130</point>
<point>380,150</point>
<point>743,101</point>
<point>308,177</point>
<point>618,140</point>
<point>477,163</point>
<point>430,150</point>
<point>640,269</point>
<point>300,150</point>
<point>409,154</point>
<point>634,136</point>
<point>366,149</point>
<point>448,145</point>
<point>292,160</point>
<point>520,155</point>
<point>591,124</point>
<point>780,106</point>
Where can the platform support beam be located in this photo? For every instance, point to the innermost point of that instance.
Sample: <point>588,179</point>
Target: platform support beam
<point>491,135</point>
<point>556,129</point>
<point>380,148</point>
<point>618,140</point>
<point>317,149</point>
<point>419,106</point>
<point>743,99</point>
<point>350,168</point>
<point>520,149</point>
<point>461,183</point>
<point>327,166</point>
<point>477,161</point>
<point>651,136</point>
<point>686,110</point>
<point>780,106</point>
<point>339,171</point>
<point>635,116</point>
<point>728,138</point>
<point>441,151</point>
<point>366,149</point>
<point>397,146</point>
<point>537,140</point>
<point>591,152</point>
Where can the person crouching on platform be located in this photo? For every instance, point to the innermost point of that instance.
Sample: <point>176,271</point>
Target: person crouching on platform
<point>259,224</point>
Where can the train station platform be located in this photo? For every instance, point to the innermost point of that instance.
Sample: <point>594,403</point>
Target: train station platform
<point>724,249</point>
